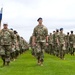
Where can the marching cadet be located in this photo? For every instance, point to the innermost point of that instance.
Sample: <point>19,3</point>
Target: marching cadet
<point>32,47</point>
<point>12,53</point>
<point>17,40</point>
<point>72,43</point>
<point>21,45</point>
<point>40,38</point>
<point>6,41</point>
<point>50,42</point>
<point>61,40</point>
<point>57,43</point>
<point>53,42</point>
<point>24,45</point>
<point>67,42</point>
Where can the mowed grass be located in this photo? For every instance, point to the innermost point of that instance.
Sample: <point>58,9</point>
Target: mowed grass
<point>26,65</point>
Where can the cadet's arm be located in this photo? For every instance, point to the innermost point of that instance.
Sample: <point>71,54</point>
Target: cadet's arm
<point>46,39</point>
<point>33,40</point>
<point>46,30</point>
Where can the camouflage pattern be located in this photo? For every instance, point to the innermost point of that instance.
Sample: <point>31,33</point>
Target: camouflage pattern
<point>39,50</point>
<point>12,53</point>
<point>56,51</point>
<point>30,41</point>
<point>72,43</point>
<point>67,40</point>
<point>62,45</point>
<point>6,41</point>
<point>50,42</point>
<point>54,40</point>
<point>17,48</point>
<point>22,48</point>
<point>6,38</point>
<point>40,32</point>
<point>25,45</point>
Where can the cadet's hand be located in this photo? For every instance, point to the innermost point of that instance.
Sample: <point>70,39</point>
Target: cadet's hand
<point>46,44</point>
<point>33,44</point>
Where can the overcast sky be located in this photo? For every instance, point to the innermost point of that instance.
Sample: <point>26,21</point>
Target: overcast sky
<point>22,15</point>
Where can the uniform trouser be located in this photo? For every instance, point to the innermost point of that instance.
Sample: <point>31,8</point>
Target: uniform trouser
<point>56,49</point>
<point>61,51</point>
<point>21,51</point>
<point>71,49</point>
<point>33,51</point>
<point>67,48</point>
<point>12,55</point>
<point>6,55</point>
<point>17,53</point>
<point>47,49</point>
<point>40,51</point>
<point>50,49</point>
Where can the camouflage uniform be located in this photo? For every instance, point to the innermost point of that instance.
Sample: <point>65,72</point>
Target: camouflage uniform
<point>40,32</point>
<point>50,41</point>
<point>61,39</point>
<point>72,43</point>
<point>21,45</point>
<point>24,45</point>
<point>17,48</point>
<point>67,43</point>
<point>56,44</point>
<point>53,42</point>
<point>6,41</point>
<point>32,47</point>
<point>12,53</point>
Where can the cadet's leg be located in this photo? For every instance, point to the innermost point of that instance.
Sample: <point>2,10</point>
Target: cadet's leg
<point>67,48</point>
<point>42,53</point>
<point>54,49</point>
<point>71,49</point>
<point>50,50</point>
<point>64,53</point>
<point>11,55</point>
<point>2,53</point>
<point>42,58</point>
<point>7,56</point>
<point>38,58</point>
<point>38,53</point>
<point>33,53</point>
<point>61,52</point>
<point>17,53</point>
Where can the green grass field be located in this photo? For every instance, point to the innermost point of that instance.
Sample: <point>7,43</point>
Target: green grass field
<point>26,65</point>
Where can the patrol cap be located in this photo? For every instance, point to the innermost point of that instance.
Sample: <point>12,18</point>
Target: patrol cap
<point>71,31</point>
<point>39,19</point>
<point>67,32</point>
<point>53,31</point>
<point>15,31</point>
<point>22,37</point>
<point>11,28</point>
<point>61,29</point>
